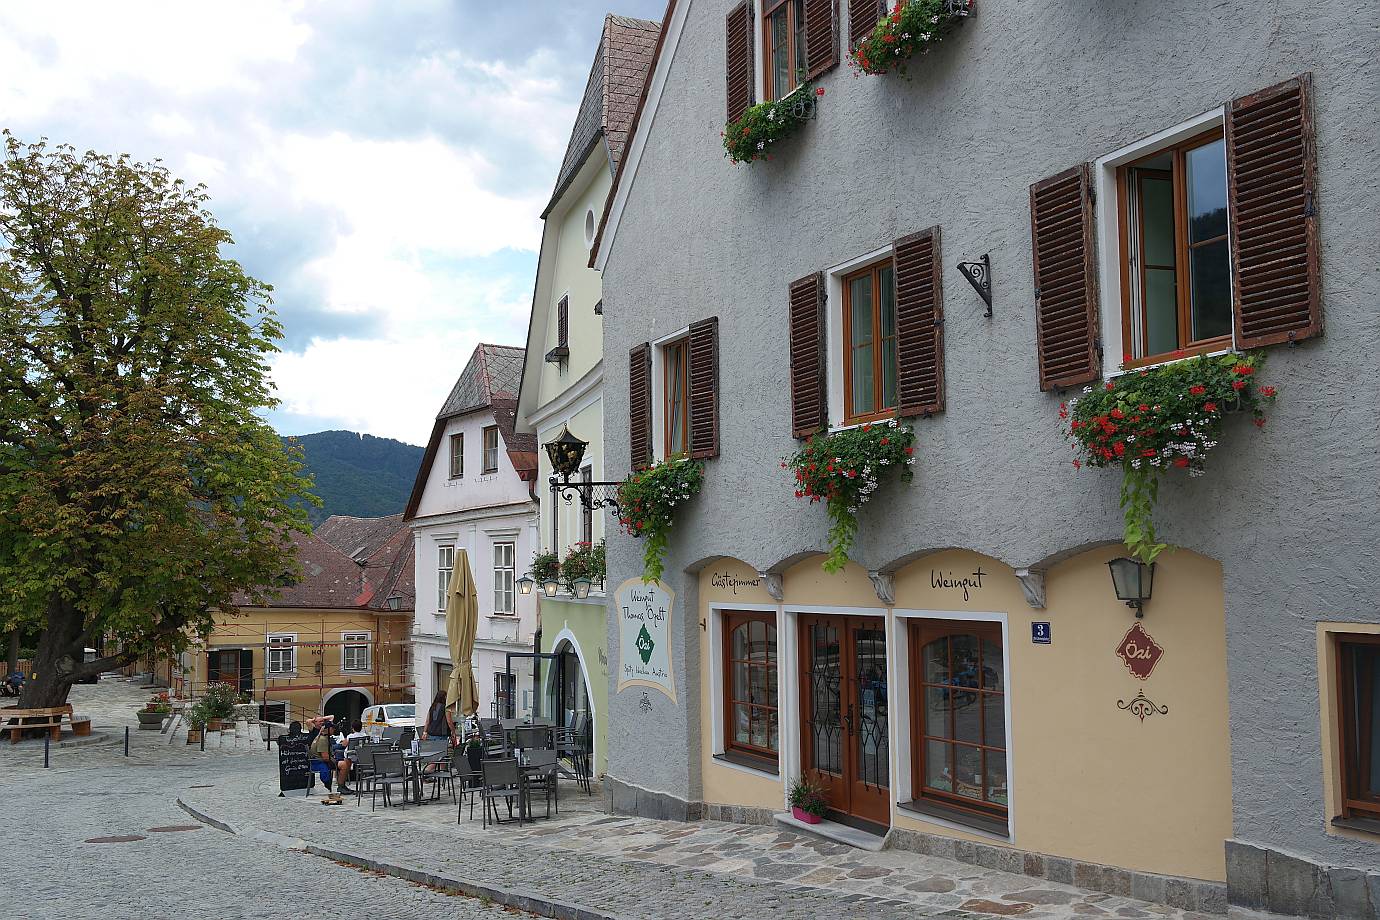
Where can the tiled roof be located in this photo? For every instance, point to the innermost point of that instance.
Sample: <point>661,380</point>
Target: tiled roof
<point>611,93</point>
<point>359,537</point>
<point>390,568</point>
<point>494,371</point>
<point>329,579</point>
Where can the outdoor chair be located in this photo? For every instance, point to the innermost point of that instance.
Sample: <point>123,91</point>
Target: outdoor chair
<point>389,771</point>
<point>363,768</point>
<point>531,737</point>
<point>436,769</point>
<point>572,744</point>
<point>391,734</point>
<point>540,774</point>
<point>502,780</point>
<point>467,779</point>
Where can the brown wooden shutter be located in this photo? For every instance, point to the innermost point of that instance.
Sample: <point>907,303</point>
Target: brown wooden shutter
<point>1066,321</point>
<point>821,36</point>
<point>863,16</point>
<point>640,405</point>
<point>704,388</point>
<point>1274,224</point>
<point>738,59</point>
<point>809,411</point>
<point>919,323</point>
<point>563,323</point>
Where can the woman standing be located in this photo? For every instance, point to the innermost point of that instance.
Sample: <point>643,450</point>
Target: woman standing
<point>439,721</point>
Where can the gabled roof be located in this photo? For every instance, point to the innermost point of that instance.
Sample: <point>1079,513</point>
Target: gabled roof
<point>329,579</point>
<point>489,381</point>
<point>611,94</point>
<point>359,537</point>
<point>612,207</point>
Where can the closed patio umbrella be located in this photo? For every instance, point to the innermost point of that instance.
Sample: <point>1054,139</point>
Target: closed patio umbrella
<point>462,618</point>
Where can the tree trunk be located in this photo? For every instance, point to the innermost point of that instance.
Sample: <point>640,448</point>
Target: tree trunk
<point>60,651</point>
<point>12,659</point>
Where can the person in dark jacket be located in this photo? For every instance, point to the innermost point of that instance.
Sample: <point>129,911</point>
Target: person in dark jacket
<point>439,721</point>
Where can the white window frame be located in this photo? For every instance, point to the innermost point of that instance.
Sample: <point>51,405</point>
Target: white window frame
<point>1107,229</point>
<point>350,641</point>
<point>454,455</point>
<point>485,468</point>
<point>505,585</point>
<point>717,676</point>
<point>659,390</point>
<point>277,642</point>
<point>442,583</point>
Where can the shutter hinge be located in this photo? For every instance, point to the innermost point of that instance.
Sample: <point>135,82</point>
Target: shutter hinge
<point>1308,209</point>
<point>1092,193</point>
<point>1097,343</point>
<point>1037,293</point>
<point>939,321</point>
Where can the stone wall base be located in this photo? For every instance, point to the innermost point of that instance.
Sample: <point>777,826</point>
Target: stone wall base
<point>622,798</point>
<point>1261,879</point>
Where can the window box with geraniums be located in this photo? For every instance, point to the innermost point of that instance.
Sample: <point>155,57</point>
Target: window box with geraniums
<point>647,502</point>
<point>584,560</point>
<point>546,567</point>
<point>911,29</point>
<point>154,712</point>
<point>752,136</point>
<point>807,800</point>
<point>844,469</point>
<point>1161,419</point>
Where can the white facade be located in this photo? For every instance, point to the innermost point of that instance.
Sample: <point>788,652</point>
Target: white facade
<point>491,515</point>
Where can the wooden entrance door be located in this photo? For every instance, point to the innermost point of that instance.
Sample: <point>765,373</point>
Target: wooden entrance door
<point>845,743</point>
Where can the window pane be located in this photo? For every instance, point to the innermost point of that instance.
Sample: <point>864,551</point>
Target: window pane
<point>770,678</point>
<point>965,656</point>
<point>996,778</point>
<point>968,771</point>
<point>1207,191</point>
<point>1157,218</point>
<point>967,717</point>
<point>773,731</point>
<point>862,381</point>
<point>799,20</point>
<point>991,665</point>
<point>759,727</point>
<point>757,685</point>
<point>771,643</point>
<point>1154,240</point>
<point>886,308</point>
<point>757,640</point>
<point>1364,730</point>
<point>740,724</point>
<point>739,641</point>
<point>938,770</point>
<point>740,681</point>
<point>1209,269</point>
<point>1161,311</point>
<point>937,661</point>
<point>937,712</point>
<point>994,720</point>
<point>860,301</point>
<point>780,55</point>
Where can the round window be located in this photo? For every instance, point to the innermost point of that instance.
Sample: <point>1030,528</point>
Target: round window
<point>589,228</point>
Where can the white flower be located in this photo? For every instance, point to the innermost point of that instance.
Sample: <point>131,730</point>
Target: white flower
<point>1135,464</point>
<point>884,462</point>
<point>934,19</point>
<point>1087,390</point>
<point>1130,438</point>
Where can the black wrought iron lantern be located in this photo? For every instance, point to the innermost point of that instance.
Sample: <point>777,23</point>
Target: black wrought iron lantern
<point>1133,581</point>
<point>566,452</point>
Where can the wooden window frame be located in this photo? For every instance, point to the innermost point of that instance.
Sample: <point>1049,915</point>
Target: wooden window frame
<point>490,431</point>
<point>732,619</point>
<point>795,34</point>
<point>511,571</point>
<point>681,345</point>
<point>1182,249</point>
<point>919,633</point>
<point>457,456</point>
<point>878,389</point>
<point>1350,746</point>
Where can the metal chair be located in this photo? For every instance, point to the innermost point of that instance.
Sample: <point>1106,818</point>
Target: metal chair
<point>572,743</point>
<point>363,768</point>
<point>531,737</point>
<point>391,734</point>
<point>437,769</point>
<point>540,775</point>
<point>470,782</point>
<point>502,780</point>
<point>389,771</point>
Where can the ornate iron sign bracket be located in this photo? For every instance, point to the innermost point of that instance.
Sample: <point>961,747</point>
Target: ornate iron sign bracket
<point>592,495</point>
<point>979,275</point>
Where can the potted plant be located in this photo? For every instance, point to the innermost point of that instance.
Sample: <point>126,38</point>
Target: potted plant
<point>220,700</point>
<point>909,30</point>
<point>647,501</point>
<point>154,712</point>
<point>474,752</point>
<point>197,717</point>
<point>585,560</point>
<point>807,801</point>
<point>1161,419</point>
<point>843,470</point>
<point>546,567</point>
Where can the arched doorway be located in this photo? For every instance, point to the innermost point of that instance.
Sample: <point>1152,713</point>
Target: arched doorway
<point>345,705</point>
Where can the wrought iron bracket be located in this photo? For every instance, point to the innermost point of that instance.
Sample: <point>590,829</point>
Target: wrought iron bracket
<point>979,275</point>
<point>592,495</point>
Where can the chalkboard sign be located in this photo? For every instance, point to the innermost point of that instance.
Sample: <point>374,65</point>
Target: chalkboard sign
<point>294,764</point>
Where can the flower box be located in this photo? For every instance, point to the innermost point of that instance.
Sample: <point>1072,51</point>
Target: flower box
<point>801,815</point>
<point>753,135</point>
<point>908,31</point>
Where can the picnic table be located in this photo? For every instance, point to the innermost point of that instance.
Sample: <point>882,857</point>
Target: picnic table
<point>17,721</point>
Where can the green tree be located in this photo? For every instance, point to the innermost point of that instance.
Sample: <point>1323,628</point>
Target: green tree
<point>141,489</point>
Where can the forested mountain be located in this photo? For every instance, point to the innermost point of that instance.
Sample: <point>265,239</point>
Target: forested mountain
<point>358,474</point>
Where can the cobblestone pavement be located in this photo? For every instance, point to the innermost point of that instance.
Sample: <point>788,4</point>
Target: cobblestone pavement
<point>156,862</point>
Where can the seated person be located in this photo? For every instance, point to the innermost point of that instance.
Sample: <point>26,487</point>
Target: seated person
<point>342,765</point>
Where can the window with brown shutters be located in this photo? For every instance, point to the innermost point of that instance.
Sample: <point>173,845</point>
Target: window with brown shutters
<point>740,77</point>
<point>1274,226</point>
<point>821,36</point>
<point>1066,319</point>
<point>809,410</point>
<point>704,388</point>
<point>863,16</point>
<point>640,405</point>
<point>563,323</point>
<point>919,324</point>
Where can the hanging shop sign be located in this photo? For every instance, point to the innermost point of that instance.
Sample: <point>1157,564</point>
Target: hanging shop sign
<point>644,636</point>
<point>1139,652</point>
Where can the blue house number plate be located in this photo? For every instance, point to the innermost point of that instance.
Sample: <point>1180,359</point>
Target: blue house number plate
<point>1040,634</point>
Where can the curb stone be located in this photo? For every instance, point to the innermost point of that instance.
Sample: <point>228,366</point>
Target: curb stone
<point>522,900</point>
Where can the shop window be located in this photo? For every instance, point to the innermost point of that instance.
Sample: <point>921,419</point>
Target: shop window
<point>1358,660</point>
<point>958,709</point>
<point>750,689</point>
<point>1176,263</point>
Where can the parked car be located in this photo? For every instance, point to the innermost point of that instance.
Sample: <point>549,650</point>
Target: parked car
<point>377,718</point>
<point>89,655</point>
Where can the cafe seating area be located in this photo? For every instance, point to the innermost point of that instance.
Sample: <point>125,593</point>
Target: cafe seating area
<point>515,770</point>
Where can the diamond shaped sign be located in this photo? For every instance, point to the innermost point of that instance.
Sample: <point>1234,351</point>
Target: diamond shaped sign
<point>1139,652</point>
<point>645,644</point>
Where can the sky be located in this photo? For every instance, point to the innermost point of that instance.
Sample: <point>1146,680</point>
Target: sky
<point>383,165</point>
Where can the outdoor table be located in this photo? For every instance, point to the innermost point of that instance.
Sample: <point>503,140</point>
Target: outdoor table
<point>413,763</point>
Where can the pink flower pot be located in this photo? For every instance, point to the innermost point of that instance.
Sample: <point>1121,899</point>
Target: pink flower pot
<point>805,816</point>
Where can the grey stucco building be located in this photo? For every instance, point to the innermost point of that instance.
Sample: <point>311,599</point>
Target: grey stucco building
<point>1247,787</point>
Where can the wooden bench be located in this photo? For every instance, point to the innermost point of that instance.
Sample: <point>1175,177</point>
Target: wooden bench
<point>18,721</point>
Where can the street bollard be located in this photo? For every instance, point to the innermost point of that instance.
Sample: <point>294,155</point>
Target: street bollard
<point>126,740</point>
<point>46,739</point>
<point>203,738</point>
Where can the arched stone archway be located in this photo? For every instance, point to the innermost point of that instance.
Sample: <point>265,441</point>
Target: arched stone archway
<point>346,705</point>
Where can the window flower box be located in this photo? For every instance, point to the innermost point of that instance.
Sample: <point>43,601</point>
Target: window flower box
<point>752,136</point>
<point>909,30</point>
<point>647,501</point>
